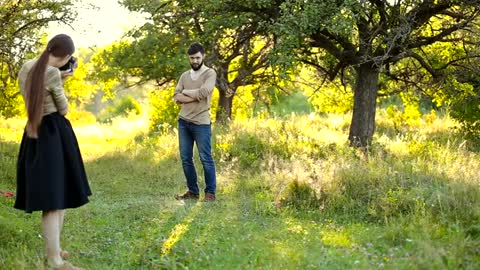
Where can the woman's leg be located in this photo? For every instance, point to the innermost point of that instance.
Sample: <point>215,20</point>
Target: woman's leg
<point>61,215</point>
<point>51,233</point>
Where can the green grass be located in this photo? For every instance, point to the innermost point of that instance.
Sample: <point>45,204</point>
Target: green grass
<point>291,195</point>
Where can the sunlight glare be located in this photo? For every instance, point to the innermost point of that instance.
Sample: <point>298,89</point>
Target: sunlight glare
<point>98,23</point>
<point>179,230</point>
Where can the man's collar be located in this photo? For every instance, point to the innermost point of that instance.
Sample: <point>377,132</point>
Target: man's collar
<point>201,70</point>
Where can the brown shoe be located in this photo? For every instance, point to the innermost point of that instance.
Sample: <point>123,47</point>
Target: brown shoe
<point>187,195</point>
<point>209,197</point>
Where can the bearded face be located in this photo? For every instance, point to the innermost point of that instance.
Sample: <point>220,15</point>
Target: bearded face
<point>196,66</point>
<point>196,60</point>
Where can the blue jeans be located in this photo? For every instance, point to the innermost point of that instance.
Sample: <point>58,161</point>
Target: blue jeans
<point>188,133</point>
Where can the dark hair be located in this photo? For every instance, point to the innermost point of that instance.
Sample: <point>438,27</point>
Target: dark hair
<point>195,48</point>
<point>59,46</point>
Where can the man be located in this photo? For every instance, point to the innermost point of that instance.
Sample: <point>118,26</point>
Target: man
<point>194,94</point>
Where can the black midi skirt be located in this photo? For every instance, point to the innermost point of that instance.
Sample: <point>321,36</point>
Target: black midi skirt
<point>50,170</point>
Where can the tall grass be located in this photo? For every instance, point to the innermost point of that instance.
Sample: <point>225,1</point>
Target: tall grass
<point>292,195</point>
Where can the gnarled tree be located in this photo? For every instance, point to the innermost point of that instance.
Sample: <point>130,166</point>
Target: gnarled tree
<point>368,37</point>
<point>237,46</point>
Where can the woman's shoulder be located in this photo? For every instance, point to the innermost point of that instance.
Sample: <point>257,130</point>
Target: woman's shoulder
<point>28,64</point>
<point>26,67</point>
<point>51,70</point>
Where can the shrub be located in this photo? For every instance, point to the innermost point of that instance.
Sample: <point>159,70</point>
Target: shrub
<point>81,117</point>
<point>249,150</point>
<point>296,103</point>
<point>163,110</point>
<point>11,102</point>
<point>466,110</point>
<point>332,99</point>
<point>300,195</point>
<point>121,107</point>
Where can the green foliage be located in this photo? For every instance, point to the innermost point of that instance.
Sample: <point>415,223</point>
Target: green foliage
<point>464,97</point>
<point>150,56</point>
<point>236,44</point>
<point>163,110</point>
<point>466,109</point>
<point>296,103</point>
<point>332,99</point>
<point>451,87</point>
<point>21,34</point>
<point>337,38</point>
<point>81,116</point>
<point>78,88</point>
<point>412,203</point>
<point>276,102</point>
<point>8,161</point>
<point>300,196</point>
<point>383,187</point>
<point>120,107</point>
<point>11,104</point>
<point>248,150</point>
<point>299,20</point>
<point>402,119</point>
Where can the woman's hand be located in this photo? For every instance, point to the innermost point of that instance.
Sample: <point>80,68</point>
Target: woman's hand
<point>66,73</point>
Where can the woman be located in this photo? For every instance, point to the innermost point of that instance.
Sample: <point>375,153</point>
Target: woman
<point>50,172</point>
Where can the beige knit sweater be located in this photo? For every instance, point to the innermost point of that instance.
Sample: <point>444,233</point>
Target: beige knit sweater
<point>55,99</point>
<point>201,89</point>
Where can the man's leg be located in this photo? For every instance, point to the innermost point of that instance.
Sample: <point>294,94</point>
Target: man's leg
<point>185,140</point>
<point>203,138</point>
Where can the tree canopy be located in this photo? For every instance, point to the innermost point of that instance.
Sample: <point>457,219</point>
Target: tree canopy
<point>420,49</point>
<point>21,25</point>
<point>367,38</point>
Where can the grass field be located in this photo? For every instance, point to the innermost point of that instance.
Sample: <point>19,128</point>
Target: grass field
<point>291,195</point>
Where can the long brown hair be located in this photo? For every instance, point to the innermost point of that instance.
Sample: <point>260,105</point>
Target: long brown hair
<point>59,46</point>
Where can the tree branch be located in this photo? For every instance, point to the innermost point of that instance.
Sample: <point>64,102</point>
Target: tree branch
<point>423,63</point>
<point>423,41</point>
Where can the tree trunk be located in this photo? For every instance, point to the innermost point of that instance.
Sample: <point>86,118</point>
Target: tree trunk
<point>224,111</point>
<point>362,126</point>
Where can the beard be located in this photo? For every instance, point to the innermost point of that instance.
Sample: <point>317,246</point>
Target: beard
<point>196,67</point>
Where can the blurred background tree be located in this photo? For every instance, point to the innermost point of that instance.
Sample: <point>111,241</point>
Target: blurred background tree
<point>21,31</point>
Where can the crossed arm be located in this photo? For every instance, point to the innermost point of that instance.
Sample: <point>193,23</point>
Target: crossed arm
<point>182,99</point>
<point>183,95</point>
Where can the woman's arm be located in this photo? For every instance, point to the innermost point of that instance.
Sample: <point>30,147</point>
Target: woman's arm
<point>54,84</point>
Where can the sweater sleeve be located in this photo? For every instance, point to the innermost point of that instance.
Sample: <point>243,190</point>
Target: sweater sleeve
<point>179,87</point>
<point>54,85</point>
<point>206,89</point>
